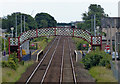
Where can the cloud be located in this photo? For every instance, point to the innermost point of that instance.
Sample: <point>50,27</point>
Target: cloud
<point>58,1</point>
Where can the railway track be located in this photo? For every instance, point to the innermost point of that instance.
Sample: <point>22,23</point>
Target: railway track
<point>67,66</point>
<point>72,65</point>
<point>34,73</point>
<point>56,65</point>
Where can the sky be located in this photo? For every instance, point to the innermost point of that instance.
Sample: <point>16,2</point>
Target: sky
<point>61,10</point>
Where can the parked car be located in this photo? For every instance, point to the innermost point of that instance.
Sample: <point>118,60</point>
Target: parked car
<point>113,56</point>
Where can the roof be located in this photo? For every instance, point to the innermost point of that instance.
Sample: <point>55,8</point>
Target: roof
<point>110,21</point>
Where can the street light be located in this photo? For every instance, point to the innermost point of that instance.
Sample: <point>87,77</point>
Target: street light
<point>12,28</point>
<point>98,27</point>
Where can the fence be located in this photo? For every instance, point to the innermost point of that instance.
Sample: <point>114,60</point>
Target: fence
<point>116,73</point>
<point>26,57</point>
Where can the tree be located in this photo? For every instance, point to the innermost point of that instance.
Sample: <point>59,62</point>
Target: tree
<point>44,23</point>
<point>9,21</point>
<point>93,9</point>
<point>81,25</point>
<point>45,20</point>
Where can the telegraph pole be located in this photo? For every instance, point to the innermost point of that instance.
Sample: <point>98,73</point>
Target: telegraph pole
<point>16,25</point>
<point>115,46</point>
<point>21,23</point>
<point>108,31</point>
<point>91,23</point>
<point>111,36</point>
<point>94,25</point>
<point>24,23</point>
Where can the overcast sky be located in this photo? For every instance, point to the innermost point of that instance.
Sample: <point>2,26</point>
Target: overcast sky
<point>61,10</point>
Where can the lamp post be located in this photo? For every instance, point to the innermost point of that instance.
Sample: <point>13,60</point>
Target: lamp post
<point>12,28</point>
<point>4,47</point>
<point>94,25</point>
<point>16,25</point>
<point>98,27</point>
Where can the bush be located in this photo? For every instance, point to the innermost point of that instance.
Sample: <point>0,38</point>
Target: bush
<point>12,61</point>
<point>5,64</point>
<point>95,58</point>
<point>13,57</point>
<point>79,44</point>
<point>22,62</point>
<point>12,64</point>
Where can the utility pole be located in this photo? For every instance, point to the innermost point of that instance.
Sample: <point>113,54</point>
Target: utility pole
<point>21,23</point>
<point>16,25</point>
<point>94,25</point>
<point>4,43</point>
<point>107,35</point>
<point>115,46</point>
<point>4,47</point>
<point>111,37</point>
<point>91,23</point>
<point>24,22</point>
<point>108,31</point>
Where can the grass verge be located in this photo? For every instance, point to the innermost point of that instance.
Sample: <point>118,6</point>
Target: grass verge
<point>10,75</point>
<point>102,74</point>
<point>41,42</point>
<point>79,43</point>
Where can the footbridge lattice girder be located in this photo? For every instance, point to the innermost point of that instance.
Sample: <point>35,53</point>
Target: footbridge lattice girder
<point>56,31</point>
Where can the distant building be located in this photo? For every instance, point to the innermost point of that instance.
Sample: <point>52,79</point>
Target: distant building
<point>2,32</point>
<point>109,22</point>
<point>76,22</point>
<point>64,25</point>
<point>71,24</point>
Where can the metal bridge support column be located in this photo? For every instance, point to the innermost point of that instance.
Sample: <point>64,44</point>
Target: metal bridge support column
<point>19,48</point>
<point>91,43</point>
<point>101,43</point>
<point>73,32</point>
<point>9,45</point>
<point>55,31</point>
<point>36,32</point>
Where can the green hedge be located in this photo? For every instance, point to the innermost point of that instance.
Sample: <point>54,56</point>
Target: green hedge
<point>97,58</point>
<point>12,62</point>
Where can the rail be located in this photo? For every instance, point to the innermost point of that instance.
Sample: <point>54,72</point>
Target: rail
<point>39,63</point>
<point>49,63</point>
<point>73,69</point>
<point>61,74</point>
